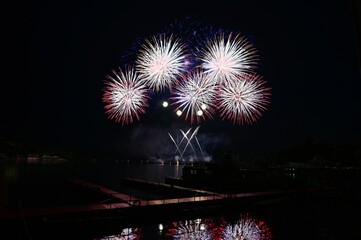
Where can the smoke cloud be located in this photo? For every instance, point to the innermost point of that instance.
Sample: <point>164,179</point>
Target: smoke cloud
<point>155,143</point>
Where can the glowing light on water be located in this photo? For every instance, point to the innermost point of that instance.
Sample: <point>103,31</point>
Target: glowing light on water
<point>189,229</point>
<point>247,228</point>
<point>126,234</point>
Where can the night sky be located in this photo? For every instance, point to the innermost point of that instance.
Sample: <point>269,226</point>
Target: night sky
<point>62,51</point>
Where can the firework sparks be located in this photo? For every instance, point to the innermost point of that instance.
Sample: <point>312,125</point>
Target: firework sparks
<point>203,75</point>
<point>243,99</point>
<point>127,234</point>
<point>247,228</point>
<point>189,229</point>
<point>125,96</point>
<point>226,57</point>
<point>160,61</point>
<point>195,95</point>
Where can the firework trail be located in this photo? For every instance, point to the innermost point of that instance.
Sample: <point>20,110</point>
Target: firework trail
<point>243,99</point>
<point>189,142</point>
<point>195,95</point>
<point>225,57</point>
<point>160,61</point>
<point>125,96</point>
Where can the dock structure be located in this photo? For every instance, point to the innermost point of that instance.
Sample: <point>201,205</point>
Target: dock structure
<point>129,202</point>
<point>195,190</point>
<point>128,199</point>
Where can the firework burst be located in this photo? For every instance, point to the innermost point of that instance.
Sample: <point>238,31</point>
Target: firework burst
<point>225,57</point>
<point>127,234</point>
<point>194,95</point>
<point>202,74</point>
<point>243,99</point>
<point>189,229</point>
<point>125,96</point>
<point>160,61</point>
<point>247,228</point>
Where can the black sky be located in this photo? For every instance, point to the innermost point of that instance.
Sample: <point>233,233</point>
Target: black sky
<point>62,51</point>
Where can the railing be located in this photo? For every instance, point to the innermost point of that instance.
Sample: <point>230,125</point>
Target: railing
<point>131,200</point>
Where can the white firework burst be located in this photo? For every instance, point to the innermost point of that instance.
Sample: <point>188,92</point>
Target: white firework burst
<point>160,61</point>
<point>195,95</point>
<point>125,96</point>
<point>243,99</point>
<point>245,229</point>
<point>225,57</point>
<point>192,229</point>
<point>127,234</point>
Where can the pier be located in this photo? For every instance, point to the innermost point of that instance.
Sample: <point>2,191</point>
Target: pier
<point>124,209</point>
<point>125,201</point>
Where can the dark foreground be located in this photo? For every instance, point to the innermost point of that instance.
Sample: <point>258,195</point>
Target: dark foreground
<point>322,213</point>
